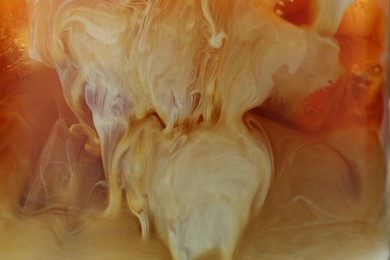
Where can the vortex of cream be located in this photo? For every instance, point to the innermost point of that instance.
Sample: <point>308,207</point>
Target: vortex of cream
<point>167,84</point>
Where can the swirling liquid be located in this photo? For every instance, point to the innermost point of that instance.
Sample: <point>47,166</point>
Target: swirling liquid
<point>193,129</point>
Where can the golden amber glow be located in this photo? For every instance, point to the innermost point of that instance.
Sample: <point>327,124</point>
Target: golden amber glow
<point>193,129</point>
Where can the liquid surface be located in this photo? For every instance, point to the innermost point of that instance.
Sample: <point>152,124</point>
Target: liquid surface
<point>193,129</point>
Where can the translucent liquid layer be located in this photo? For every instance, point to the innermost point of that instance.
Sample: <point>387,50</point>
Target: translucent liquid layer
<point>193,129</point>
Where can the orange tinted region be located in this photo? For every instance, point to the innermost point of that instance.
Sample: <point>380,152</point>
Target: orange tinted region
<point>295,11</point>
<point>193,129</point>
<point>359,19</point>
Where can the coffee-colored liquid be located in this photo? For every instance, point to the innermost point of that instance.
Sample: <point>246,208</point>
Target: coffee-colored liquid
<point>193,129</point>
